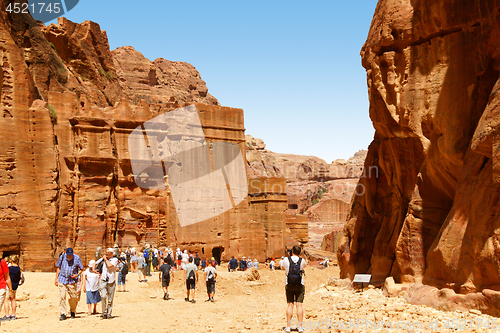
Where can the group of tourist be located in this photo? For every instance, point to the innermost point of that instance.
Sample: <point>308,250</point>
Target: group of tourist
<point>11,278</point>
<point>242,265</point>
<point>98,280</point>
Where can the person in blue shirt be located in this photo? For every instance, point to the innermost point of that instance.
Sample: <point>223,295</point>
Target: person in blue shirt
<point>243,264</point>
<point>233,264</point>
<point>68,269</point>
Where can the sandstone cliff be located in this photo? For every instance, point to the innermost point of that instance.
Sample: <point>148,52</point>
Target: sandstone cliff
<point>68,107</point>
<point>431,214</point>
<point>318,193</point>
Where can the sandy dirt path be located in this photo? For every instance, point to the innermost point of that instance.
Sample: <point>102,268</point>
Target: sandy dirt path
<point>241,306</point>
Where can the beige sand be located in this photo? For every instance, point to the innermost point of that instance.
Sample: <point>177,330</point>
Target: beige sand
<point>240,305</point>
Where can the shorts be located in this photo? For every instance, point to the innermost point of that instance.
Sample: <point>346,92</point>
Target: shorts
<point>295,295</point>
<point>3,295</point>
<point>210,287</point>
<point>165,282</point>
<point>93,297</point>
<point>190,284</point>
<point>121,279</point>
<point>179,262</point>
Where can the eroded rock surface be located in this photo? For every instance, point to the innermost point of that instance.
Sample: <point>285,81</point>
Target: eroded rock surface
<point>159,81</point>
<point>318,193</point>
<point>67,109</point>
<point>432,213</point>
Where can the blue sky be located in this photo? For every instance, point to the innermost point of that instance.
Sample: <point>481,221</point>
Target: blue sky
<point>292,66</point>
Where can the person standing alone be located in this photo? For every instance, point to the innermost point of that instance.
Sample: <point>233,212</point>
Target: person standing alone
<point>191,277</point>
<point>294,288</point>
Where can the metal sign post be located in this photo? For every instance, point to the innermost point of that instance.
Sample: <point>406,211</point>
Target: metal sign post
<point>362,278</point>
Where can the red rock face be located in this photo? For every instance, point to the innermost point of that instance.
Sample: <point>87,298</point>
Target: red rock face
<point>65,168</point>
<point>318,193</point>
<point>159,81</point>
<point>431,214</point>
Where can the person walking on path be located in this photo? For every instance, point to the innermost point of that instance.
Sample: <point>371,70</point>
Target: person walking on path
<point>233,264</point>
<point>133,260</point>
<point>191,277</point>
<point>90,285</point>
<point>68,269</point>
<point>141,267</point>
<point>16,280</point>
<point>166,271</point>
<point>197,261</point>
<point>210,276</point>
<point>5,283</point>
<point>148,256</point>
<point>122,269</point>
<point>108,282</point>
<point>294,287</point>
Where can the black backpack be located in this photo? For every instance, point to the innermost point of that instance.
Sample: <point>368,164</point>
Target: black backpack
<point>294,273</point>
<point>179,256</point>
<point>98,268</point>
<point>191,276</point>
<point>124,269</point>
<point>211,277</point>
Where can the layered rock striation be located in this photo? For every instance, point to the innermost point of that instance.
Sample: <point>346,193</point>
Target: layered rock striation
<point>68,106</point>
<point>318,193</point>
<point>431,213</point>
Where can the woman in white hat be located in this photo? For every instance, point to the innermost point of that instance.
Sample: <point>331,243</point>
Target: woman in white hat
<point>90,284</point>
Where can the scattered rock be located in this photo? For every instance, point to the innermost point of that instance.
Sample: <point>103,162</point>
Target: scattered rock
<point>40,296</point>
<point>251,274</point>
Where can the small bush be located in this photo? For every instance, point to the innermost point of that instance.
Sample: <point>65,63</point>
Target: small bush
<point>54,48</point>
<point>53,113</point>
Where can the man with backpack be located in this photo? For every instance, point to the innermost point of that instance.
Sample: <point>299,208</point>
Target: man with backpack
<point>191,277</point>
<point>294,288</point>
<point>165,271</point>
<point>148,257</point>
<point>197,260</point>
<point>210,276</point>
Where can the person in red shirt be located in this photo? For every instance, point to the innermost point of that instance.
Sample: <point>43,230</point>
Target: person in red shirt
<point>5,282</point>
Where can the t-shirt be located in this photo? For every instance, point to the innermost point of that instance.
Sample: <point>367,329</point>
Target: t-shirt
<point>190,267</point>
<point>3,269</point>
<point>185,258</point>
<point>210,271</point>
<point>91,281</point>
<point>286,265</point>
<point>197,261</point>
<point>108,273</point>
<point>15,276</point>
<point>120,266</point>
<point>165,271</point>
<point>140,261</point>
